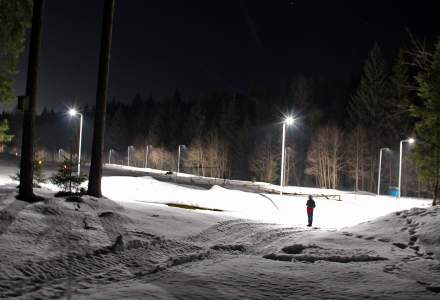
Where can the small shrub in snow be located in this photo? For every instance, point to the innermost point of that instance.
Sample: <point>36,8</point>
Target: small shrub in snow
<point>66,177</point>
<point>37,174</point>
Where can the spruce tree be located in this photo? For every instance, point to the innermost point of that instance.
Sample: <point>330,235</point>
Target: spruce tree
<point>14,19</point>
<point>4,136</point>
<point>368,109</point>
<point>426,154</point>
<point>398,118</point>
<point>66,177</point>
<point>368,106</point>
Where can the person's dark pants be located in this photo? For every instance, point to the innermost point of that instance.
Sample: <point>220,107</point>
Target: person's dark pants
<point>310,217</point>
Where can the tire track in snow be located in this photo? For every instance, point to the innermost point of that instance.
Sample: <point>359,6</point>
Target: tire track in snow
<point>133,255</point>
<point>103,266</point>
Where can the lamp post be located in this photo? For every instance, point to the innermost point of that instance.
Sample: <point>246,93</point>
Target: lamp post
<point>146,155</point>
<point>128,154</point>
<point>409,141</point>
<point>178,157</point>
<point>110,156</point>
<point>287,121</point>
<point>73,112</point>
<point>178,161</point>
<point>59,154</point>
<point>380,166</point>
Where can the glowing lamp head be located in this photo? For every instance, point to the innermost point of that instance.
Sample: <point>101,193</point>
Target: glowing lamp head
<point>411,140</point>
<point>72,112</point>
<point>289,120</point>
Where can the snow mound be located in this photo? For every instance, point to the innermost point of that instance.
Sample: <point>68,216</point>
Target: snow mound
<point>147,189</point>
<point>416,229</point>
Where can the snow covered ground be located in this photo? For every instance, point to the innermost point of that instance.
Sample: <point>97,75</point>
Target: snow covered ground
<point>286,209</point>
<point>133,246</point>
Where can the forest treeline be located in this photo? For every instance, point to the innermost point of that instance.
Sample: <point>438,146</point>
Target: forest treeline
<point>338,131</point>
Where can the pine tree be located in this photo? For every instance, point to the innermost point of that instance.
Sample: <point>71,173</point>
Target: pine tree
<point>426,154</point>
<point>265,161</point>
<point>4,136</point>
<point>368,109</point>
<point>301,94</point>
<point>367,106</point>
<point>398,118</point>
<point>66,177</point>
<point>14,19</point>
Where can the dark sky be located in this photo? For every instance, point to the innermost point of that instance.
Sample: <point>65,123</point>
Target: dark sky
<point>200,46</point>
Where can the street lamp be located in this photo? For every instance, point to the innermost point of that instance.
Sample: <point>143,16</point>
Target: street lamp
<point>110,156</point>
<point>409,141</point>
<point>380,166</point>
<point>287,121</point>
<point>128,154</point>
<point>178,158</point>
<point>59,153</point>
<point>146,155</point>
<point>73,112</point>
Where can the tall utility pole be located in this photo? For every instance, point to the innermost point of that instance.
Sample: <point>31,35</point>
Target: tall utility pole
<point>146,156</point>
<point>409,141</point>
<point>286,122</point>
<point>95,174</point>
<point>27,145</point>
<point>283,147</point>
<point>379,171</point>
<point>178,160</point>
<point>73,112</point>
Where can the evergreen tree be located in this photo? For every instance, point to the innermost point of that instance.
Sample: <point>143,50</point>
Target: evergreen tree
<point>4,136</point>
<point>398,118</point>
<point>367,107</point>
<point>14,19</point>
<point>66,177</point>
<point>116,135</point>
<point>301,94</point>
<point>426,154</point>
<point>265,160</point>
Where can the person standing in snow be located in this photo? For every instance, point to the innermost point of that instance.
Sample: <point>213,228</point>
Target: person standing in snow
<point>310,206</point>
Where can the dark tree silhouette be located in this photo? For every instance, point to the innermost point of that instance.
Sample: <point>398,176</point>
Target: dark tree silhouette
<point>95,174</point>
<point>27,145</point>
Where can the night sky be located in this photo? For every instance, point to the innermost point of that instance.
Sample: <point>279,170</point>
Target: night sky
<point>202,46</point>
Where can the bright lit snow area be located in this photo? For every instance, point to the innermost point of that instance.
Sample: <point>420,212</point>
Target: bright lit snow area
<point>330,213</point>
